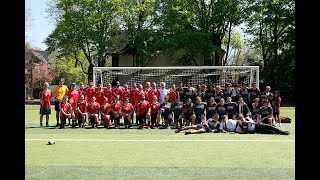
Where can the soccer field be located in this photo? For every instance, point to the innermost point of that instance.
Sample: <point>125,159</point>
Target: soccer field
<point>155,153</point>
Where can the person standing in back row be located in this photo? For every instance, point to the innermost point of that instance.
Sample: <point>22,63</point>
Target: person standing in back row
<point>58,93</point>
<point>45,108</point>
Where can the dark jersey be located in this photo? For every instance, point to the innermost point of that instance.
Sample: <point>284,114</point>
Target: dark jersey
<point>231,109</point>
<point>218,97</point>
<point>182,94</point>
<point>265,112</point>
<point>202,94</point>
<point>177,108</point>
<point>189,94</point>
<point>254,94</point>
<point>227,93</point>
<point>221,110</point>
<point>272,103</point>
<point>167,108</point>
<point>198,109</point>
<point>210,110</point>
<point>209,94</point>
<point>245,95</point>
<point>235,95</point>
<point>256,110</point>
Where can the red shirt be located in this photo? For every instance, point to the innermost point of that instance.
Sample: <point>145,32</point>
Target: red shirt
<point>99,97</point>
<point>109,94</point>
<point>105,108</point>
<point>66,107</point>
<point>82,91</point>
<point>45,96</point>
<point>152,93</point>
<point>138,96</point>
<point>173,94</point>
<point>73,96</point>
<point>93,107</point>
<point>127,109</point>
<point>134,93</point>
<point>117,91</point>
<point>277,102</point>
<point>116,107</point>
<point>155,107</point>
<point>125,94</point>
<point>142,107</point>
<point>91,91</point>
<point>82,106</point>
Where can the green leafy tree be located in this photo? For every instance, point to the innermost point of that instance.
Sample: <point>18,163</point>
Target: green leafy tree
<point>85,27</point>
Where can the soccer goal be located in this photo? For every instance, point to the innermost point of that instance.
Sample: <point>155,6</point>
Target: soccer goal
<point>196,75</point>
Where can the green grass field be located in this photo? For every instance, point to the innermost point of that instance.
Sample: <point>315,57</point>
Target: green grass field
<point>120,154</point>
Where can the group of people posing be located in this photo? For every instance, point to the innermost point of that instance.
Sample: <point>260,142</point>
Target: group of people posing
<point>212,109</point>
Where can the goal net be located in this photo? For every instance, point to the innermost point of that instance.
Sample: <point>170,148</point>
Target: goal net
<point>196,75</point>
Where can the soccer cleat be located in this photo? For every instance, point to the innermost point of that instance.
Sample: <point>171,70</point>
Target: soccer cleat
<point>47,125</point>
<point>286,133</point>
<point>177,130</point>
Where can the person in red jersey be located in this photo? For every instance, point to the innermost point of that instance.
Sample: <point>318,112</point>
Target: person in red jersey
<point>133,91</point>
<point>91,91</point>
<point>116,111</point>
<point>125,92</point>
<point>127,112</point>
<point>73,96</point>
<point>141,91</point>
<point>105,110</point>
<point>146,91</point>
<point>65,111</point>
<point>93,111</point>
<point>81,112</point>
<point>155,114</point>
<point>45,109</point>
<point>276,113</point>
<point>108,93</point>
<point>99,95</point>
<point>142,110</point>
<point>153,92</point>
<point>117,89</point>
<point>82,91</point>
<point>173,93</point>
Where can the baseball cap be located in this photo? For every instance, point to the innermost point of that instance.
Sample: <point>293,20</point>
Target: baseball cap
<point>73,84</point>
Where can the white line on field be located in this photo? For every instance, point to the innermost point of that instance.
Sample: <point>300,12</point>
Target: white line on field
<point>164,140</point>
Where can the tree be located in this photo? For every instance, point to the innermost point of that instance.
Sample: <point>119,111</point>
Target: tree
<point>273,27</point>
<point>85,27</point>
<point>234,41</point>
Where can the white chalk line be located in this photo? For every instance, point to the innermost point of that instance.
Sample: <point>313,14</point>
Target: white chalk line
<point>164,140</point>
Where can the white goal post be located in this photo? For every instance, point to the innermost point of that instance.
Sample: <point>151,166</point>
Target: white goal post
<point>196,75</point>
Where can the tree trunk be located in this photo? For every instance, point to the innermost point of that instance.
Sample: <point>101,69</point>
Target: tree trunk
<point>229,38</point>
<point>216,41</point>
<point>90,72</point>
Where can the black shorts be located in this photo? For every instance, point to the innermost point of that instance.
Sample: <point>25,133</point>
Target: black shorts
<point>153,118</point>
<point>45,110</point>
<point>198,119</point>
<point>92,120</point>
<point>187,116</point>
<point>56,105</point>
<point>142,118</point>
<point>265,121</point>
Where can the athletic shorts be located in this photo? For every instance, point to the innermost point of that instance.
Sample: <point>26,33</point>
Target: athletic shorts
<point>92,120</point>
<point>187,116</point>
<point>56,105</point>
<point>142,118</point>
<point>277,112</point>
<point>153,118</point>
<point>265,121</point>
<point>45,110</point>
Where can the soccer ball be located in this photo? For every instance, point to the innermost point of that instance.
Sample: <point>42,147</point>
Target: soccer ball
<point>51,142</point>
<point>162,110</point>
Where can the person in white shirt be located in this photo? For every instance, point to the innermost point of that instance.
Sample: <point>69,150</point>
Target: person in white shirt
<point>258,127</point>
<point>229,125</point>
<point>163,91</point>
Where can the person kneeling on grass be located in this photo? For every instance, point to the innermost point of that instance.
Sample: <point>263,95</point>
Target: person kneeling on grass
<point>93,111</point>
<point>259,127</point>
<point>127,112</point>
<point>65,111</point>
<point>105,111</point>
<point>82,111</point>
<point>212,125</point>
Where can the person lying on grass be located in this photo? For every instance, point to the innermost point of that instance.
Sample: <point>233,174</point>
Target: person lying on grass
<point>210,126</point>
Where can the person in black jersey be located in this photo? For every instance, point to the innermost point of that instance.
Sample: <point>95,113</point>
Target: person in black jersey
<point>218,94</point>
<point>221,109</point>
<point>202,92</point>
<point>256,105</point>
<point>187,111</point>
<point>227,91</point>
<point>210,108</point>
<point>254,92</point>
<point>235,93</point>
<point>231,108</point>
<point>177,110</point>
<point>182,92</point>
<point>265,113</point>
<point>244,93</point>
<point>210,93</point>
<point>190,92</point>
<point>198,109</point>
<point>166,112</point>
